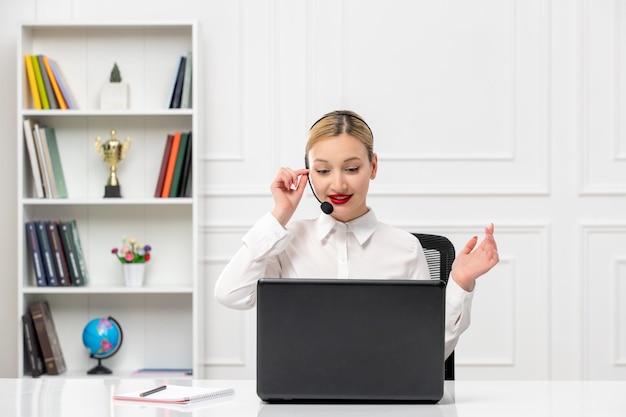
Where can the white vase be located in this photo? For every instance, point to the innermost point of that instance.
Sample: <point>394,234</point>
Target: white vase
<point>134,274</point>
<point>114,96</point>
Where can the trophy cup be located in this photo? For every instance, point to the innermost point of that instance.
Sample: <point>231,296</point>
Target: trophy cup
<point>112,153</point>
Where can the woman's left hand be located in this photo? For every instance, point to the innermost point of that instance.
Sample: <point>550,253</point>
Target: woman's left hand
<point>474,261</point>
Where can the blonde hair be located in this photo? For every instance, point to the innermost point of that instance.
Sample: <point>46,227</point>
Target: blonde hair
<point>337,122</point>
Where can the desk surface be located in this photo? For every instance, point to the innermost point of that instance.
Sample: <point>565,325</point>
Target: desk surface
<point>56,397</point>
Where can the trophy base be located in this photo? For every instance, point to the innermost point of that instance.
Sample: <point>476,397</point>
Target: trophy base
<point>112,191</point>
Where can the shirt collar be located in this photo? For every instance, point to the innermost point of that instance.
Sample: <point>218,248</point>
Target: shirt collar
<point>362,227</point>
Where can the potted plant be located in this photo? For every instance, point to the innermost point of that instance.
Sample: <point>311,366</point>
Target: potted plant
<point>114,94</point>
<point>133,257</point>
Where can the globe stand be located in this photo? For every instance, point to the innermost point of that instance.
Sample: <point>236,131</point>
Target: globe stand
<point>99,369</point>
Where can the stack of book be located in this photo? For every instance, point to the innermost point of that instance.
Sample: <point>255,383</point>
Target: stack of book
<point>48,88</point>
<point>180,98</point>
<point>45,160</point>
<point>56,253</point>
<point>175,173</point>
<point>42,349</point>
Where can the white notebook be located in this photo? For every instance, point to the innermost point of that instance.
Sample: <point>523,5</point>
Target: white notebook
<point>176,394</point>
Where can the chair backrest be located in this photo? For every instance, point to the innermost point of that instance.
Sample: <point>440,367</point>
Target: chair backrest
<point>440,254</point>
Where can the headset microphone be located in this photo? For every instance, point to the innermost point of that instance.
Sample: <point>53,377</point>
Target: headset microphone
<point>326,207</point>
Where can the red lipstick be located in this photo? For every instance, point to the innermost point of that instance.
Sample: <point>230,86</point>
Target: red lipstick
<point>339,199</point>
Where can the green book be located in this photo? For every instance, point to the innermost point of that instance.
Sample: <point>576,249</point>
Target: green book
<point>40,85</point>
<point>55,159</point>
<point>180,161</point>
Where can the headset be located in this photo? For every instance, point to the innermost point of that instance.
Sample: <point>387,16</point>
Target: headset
<point>327,207</point>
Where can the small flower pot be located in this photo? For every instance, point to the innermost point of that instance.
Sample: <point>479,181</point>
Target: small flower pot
<point>114,96</point>
<point>134,274</point>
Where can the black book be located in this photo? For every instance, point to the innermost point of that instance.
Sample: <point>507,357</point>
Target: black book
<point>58,254</point>
<point>71,254</point>
<point>32,242</point>
<point>182,190</point>
<point>32,352</point>
<point>177,93</point>
<point>46,254</point>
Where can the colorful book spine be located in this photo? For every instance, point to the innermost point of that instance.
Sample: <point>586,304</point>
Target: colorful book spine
<point>40,85</point>
<point>35,254</point>
<point>52,100</point>
<point>55,85</point>
<point>32,82</point>
<point>178,167</point>
<point>171,164</point>
<point>186,175</point>
<point>164,161</point>
<point>82,262</point>
<point>67,94</point>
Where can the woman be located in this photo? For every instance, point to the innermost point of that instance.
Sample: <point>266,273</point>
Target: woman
<point>349,242</point>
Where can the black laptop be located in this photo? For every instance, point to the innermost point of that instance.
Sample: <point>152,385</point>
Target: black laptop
<point>340,340</point>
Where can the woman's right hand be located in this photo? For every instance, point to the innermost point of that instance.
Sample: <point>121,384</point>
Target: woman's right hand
<point>287,189</point>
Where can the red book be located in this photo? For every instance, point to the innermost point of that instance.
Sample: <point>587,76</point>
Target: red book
<point>164,163</point>
<point>171,163</point>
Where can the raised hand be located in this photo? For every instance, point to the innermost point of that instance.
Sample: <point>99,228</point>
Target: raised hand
<point>474,261</point>
<point>287,189</point>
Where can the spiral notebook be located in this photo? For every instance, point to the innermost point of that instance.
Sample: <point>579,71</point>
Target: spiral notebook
<point>177,394</point>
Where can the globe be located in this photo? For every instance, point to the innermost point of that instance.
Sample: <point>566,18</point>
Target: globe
<point>103,338</point>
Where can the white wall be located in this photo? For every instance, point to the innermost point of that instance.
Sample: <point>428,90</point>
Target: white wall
<point>483,110</point>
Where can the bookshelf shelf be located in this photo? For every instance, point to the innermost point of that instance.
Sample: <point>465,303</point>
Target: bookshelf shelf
<point>166,306</point>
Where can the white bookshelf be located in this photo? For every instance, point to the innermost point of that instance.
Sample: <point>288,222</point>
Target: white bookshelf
<point>160,319</point>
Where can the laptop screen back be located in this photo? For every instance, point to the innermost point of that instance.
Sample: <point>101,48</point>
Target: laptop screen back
<point>350,340</point>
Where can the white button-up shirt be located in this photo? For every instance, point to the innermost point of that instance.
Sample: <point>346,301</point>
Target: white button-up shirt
<point>363,248</point>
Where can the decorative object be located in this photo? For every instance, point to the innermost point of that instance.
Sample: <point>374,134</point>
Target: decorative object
<point>103,338</point>
<point>114,94</point>
<point>133,257</point>
<point>134,274</point>
<point>112,153</point>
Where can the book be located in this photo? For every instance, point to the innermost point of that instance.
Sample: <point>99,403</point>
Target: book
<point>32,157</point>
<point>58,254</point>
<point>164,161</point>
<point>32,82</point>
<point>178,166</point>
<point>67,94</point>
<point>185,101</point>
<point>32,351</point>
<point>171,164</point>
<point>47,336</point>
<point>82,262</point>
<point>178,85</point>
<point>52,100</point>
<point>55,85</point>
<point>176,394</point>
<point>32,241</point>
<point>71,254</point>
<point>55,162</point>
<point>186,175</point>
<point>44,162</point>
<point>46,255</point>
<point>40,86</point>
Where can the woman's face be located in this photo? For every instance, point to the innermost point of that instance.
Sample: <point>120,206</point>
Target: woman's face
<point>341,172</point>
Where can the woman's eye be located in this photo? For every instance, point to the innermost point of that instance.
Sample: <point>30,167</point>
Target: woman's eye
<point>322,171</point>
<point>353,170</point>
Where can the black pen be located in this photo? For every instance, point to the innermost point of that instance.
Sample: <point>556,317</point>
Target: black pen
<point>152,391</point>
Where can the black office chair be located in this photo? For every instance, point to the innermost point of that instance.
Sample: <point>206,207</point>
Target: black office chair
<point>440,254</point>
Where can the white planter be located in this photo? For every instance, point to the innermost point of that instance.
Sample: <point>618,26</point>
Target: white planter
<point>134,274</point>
<point>114,96</point>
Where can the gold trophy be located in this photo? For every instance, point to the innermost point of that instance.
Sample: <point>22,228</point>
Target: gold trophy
<point>112,153</point>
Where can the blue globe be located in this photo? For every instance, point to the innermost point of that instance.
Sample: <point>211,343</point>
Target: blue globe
<point>103,338</point>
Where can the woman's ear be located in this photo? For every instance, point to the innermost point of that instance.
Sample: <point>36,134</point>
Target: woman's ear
<point>374,164</point>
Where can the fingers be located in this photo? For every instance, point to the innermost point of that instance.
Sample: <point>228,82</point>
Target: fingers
<point>470,245</point>
<point>289,179</point>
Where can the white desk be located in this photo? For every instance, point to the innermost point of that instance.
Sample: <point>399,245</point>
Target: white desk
<point>57,397</point>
